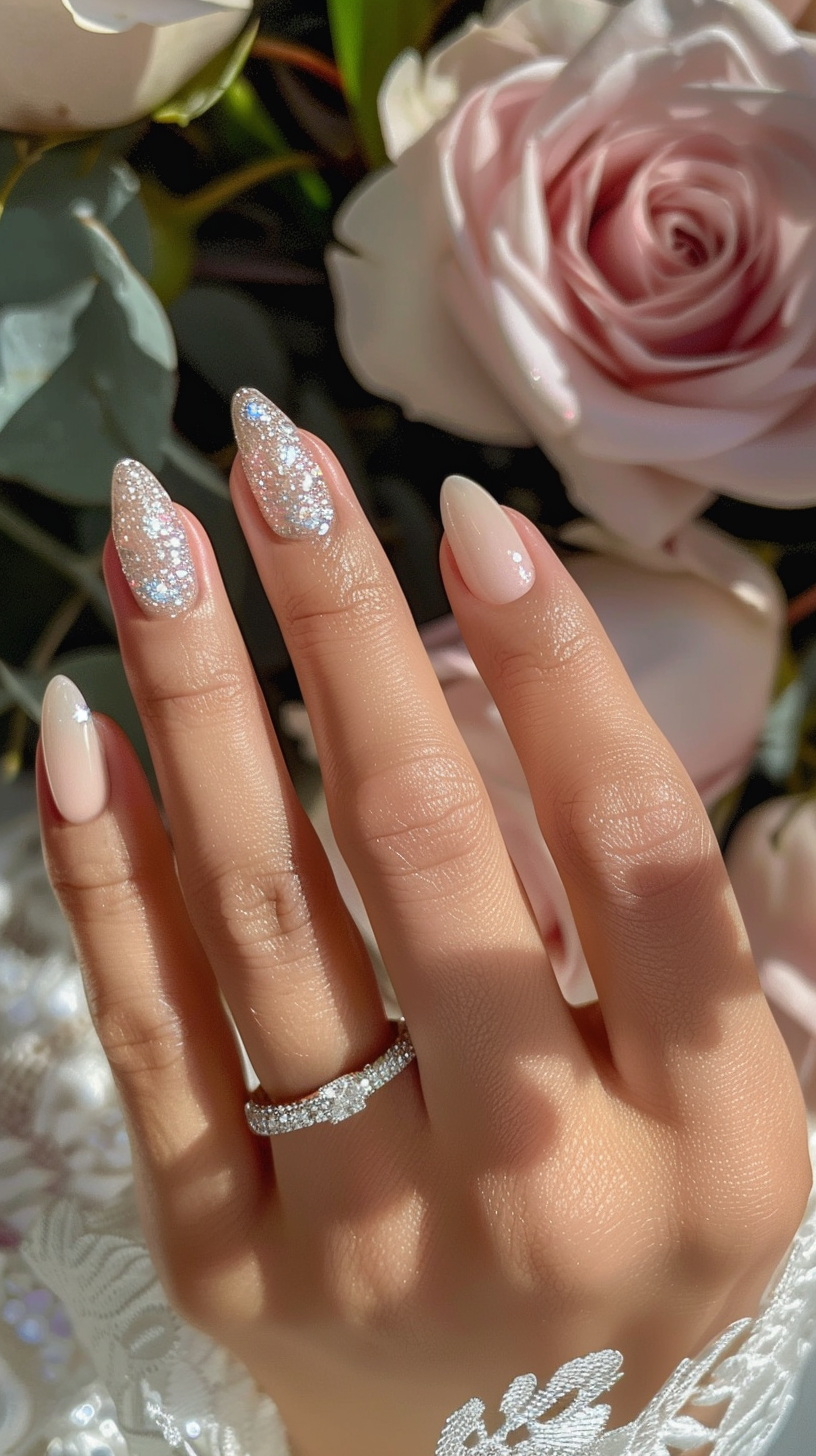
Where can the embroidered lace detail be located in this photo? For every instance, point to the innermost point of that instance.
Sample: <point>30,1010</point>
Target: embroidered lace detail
<point>759,1379</point>
<point>94,1362</point>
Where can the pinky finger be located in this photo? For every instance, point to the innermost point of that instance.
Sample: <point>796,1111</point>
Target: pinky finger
<point>152,994</point>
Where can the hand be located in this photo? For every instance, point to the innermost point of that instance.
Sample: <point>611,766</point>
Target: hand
<point>542,1181</point>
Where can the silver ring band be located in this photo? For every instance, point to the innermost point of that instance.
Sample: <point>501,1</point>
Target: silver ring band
<point>334,1101</point>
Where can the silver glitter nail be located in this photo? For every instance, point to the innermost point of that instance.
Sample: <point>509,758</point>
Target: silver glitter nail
<point>152,542</point>
<point>286,480</point>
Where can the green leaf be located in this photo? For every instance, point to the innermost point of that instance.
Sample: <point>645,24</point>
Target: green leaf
<point>778,751</point>
<point>35,341</point>
<point>147,323</point>
<point>247,127</point>
<point>367,36</point>
<point>107,400</point>
<point>230,339</point>
<point>87,356</point>
<point>209,85</point>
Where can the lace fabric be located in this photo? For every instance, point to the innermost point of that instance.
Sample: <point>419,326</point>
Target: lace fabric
<point>94,1362</point>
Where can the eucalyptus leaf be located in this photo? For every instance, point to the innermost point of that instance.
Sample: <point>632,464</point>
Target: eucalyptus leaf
<point>210,83</point>
<point>230,340</point>
<point>77,172</point>
<point>35,341</point>
<point>106,401</point>
<point>147,323</point>
<point>367,36</point>
<point>40,257</point>
<point>778,751</point>
<point>87,356</point>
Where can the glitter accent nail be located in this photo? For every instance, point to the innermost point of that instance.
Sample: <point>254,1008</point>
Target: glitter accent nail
<point>152,542</point>
<point>286,480</point>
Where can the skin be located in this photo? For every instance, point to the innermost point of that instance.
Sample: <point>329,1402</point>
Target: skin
<point>542,1182</point>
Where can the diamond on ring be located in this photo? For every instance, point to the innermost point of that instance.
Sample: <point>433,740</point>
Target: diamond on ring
<point>336,1100</point>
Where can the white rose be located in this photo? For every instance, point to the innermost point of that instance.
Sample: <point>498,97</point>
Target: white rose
<point>77,65</point>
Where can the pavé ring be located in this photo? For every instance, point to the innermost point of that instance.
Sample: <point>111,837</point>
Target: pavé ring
<point>334,1101</point>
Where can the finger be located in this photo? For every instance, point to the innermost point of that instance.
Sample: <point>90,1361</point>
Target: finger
<point>255,879</point>
<point>410,813</point>
<point>623,821</point>
<point>152,996</point>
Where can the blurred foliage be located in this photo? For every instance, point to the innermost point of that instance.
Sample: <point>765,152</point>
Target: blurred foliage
<point>367,35</point>
<point>201,233</point>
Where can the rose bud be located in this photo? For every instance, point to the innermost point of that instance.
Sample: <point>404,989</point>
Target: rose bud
<point>79,65</point>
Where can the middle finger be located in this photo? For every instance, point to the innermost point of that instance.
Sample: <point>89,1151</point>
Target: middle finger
<point>410,812</point>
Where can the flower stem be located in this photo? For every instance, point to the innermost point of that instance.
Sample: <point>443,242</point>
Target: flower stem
<point>83,571</point>
<point>802,607</point>
<point>29,151</point>
<point>300,57</point>
<point>197,206</point>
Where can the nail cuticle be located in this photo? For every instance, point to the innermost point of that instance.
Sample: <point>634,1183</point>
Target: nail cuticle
<point>284,476</point>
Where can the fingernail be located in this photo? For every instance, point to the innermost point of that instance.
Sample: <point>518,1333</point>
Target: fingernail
<point>488,549</point>
<point>152,543</point>
<point>73,754</point>
<point>286,480</point>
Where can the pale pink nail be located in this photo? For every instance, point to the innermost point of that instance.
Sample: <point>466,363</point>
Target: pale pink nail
<point>488,549</point>
<point>74,758</point>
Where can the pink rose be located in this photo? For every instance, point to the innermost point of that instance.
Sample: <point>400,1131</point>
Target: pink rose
<point>772,863</point>
<point>600,234</point>
<point>698,626</point>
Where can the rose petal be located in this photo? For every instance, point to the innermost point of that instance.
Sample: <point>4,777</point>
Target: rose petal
<point>389,292</point>
<point>111,17</point>
<point>776,468</point>
<point>639,502</point>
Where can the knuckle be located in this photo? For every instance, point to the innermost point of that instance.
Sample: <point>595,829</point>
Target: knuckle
<point>639,836</point>
<point>255,906</point>
<point>141,1034</point>
<point>421,816</point>
<point>360,612</point>
<point>94,889</point>
<point>565,644</point>
<point>201,686</point>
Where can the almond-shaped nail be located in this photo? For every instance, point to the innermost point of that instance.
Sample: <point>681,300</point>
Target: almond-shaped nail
<point>486,545</point>
<point>151,541</point>
<point>73,754</point>
<point>286,480</point>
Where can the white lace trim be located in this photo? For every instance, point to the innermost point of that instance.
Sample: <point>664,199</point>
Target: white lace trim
<point>759,1379</point>
<point>93,1362</point>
